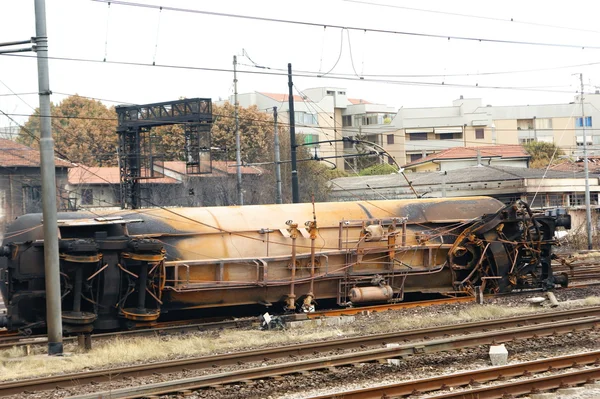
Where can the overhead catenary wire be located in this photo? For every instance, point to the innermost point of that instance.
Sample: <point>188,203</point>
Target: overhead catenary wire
<point>484,17</point>
<point>307,75</point>
<point>367,29</point>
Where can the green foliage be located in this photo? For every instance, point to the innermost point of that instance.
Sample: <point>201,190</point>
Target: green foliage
<point>84,131</point>
<point>256,133</point>
<point>541,153</point>
<point>379,169</point>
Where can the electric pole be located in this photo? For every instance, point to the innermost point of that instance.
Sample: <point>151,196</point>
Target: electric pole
<point>295,194</point>
<point>50,223</point>
<point>588,211</point>
<point>278,198</point>
<point>238,154</point>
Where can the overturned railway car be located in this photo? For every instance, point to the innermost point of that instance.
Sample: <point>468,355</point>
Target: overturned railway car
<point>129,267</point>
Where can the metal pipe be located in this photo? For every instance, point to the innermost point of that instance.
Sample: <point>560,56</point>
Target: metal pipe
<point>51,257</point>
<point>238,153</point>
<point>293,279</point>
<point>295,189</point>
<point>278,198</point>
<point>77,290</point>
<point>588,211</point>
<point>143,280</point>
<point>5,44</point>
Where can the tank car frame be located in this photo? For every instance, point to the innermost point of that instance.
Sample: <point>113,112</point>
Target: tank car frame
<point>130,267</point>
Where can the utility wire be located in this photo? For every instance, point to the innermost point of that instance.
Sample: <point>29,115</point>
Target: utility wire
<point>273,73</point>
<point>363,29</point>
<point>510,21</point>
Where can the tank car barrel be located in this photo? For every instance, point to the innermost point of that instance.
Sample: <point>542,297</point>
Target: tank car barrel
<point>128,268</point>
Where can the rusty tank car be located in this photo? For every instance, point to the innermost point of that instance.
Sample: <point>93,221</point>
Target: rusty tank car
<point>132,266</point>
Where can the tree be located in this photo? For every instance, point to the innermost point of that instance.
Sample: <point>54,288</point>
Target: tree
<point>542,154</point>
<point>256,133</point>
<point>84,131</point>
<point>379,169</point>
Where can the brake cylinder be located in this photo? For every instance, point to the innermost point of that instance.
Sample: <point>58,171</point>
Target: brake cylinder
<point>371,294</point>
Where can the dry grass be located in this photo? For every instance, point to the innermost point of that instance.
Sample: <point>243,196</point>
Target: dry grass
<point>119,351</point>
<point>111,353</point>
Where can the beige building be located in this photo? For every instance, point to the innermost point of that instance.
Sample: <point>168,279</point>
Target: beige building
<point>469,123</point>
<point>326,113</point>
<point>409,134</point>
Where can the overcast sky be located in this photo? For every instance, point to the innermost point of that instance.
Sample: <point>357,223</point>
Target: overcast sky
<point>90,30</point>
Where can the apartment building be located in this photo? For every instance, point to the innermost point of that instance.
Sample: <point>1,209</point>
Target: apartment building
<point>327,113</point>
<point>469,123</point>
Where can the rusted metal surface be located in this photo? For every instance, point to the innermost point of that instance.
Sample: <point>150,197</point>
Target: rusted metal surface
<point>346,359</point>
<point>388,306</point>
<point>294,255</point>
<point>469,378</point>
<point>553,323</point>
<point>518,388</point>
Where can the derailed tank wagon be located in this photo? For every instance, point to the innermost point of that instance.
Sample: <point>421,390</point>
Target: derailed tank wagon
<point>129,267</point>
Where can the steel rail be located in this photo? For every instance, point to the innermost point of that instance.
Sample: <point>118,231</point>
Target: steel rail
<point>11,340</point>
<point>17,341</point>
<point>382,339</point>
<point>104,375</point>
<point>527,386</point>
<point>391,306</point>
<point>482,376</point>
<point>400,351</point>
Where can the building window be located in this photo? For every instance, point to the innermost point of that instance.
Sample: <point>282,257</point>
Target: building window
<point>390,139</point>
<point>330,92</point>
<point>555,200</point>
<point>588,122</point>
<point>311,138</point>
<point>349,144</point>
<point>446,136</point>
<point>415,157</point>
<point>33,193</point>
<point>343,93</point>
<point>87,196</point>
<point>305,118</point>
<point>576,199</point>
<point>479,134</point>
<point>526,141</point>
<point>543,123</point>
<point>417,136</point>
<point>347,120</point>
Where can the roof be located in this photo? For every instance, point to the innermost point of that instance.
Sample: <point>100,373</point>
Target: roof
<point>107,175</point>
<point>111,175</point>
<point>13,154</point>
<point>356,101</point>
<point>218,168</point>
<point>482,173</point>
<point>578,165</point>
<point>497,151</point>
<point>281,97</point>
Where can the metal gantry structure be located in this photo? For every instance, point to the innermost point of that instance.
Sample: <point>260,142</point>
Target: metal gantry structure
<point>138,151</point>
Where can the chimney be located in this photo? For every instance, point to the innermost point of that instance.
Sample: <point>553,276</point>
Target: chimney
<point>461,97</point>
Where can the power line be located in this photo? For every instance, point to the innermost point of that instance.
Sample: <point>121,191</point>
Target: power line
<point>306,75</point>
<point>445,75</point>
<point>511,21</point>
<point>362,29</point>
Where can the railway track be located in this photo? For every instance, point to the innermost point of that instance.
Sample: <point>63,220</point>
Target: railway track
<point>528,373</point>
<point>353,358</point>
<point>13,339</point>
<point>479,333</point>
<point>179,328</point>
